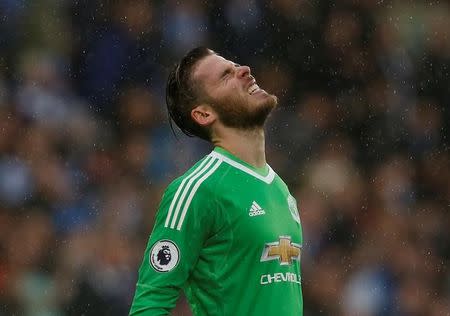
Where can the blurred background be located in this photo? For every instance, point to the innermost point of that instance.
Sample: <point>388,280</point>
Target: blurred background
<point>361,136</point>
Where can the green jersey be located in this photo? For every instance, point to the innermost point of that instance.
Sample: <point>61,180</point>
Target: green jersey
<point>229,235</point>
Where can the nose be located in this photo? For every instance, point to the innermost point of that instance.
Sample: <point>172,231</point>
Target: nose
<point>243,71</point>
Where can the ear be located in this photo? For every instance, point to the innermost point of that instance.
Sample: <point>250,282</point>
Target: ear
<point>204,115</point>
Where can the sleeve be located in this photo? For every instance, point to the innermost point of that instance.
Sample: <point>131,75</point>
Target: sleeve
<point>183,222</point>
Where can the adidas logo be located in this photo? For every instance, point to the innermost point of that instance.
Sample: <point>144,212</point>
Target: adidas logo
<point>256,210</point>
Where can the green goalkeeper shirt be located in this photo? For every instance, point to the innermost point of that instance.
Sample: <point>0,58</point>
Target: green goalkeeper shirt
<point>229,235</point>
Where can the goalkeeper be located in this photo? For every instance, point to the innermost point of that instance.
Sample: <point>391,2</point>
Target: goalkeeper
<point>228,231</point>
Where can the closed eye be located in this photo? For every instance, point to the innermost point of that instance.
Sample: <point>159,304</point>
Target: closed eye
<point>225,73</point>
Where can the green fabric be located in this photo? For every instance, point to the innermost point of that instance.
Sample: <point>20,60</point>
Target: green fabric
<point>238,237</point>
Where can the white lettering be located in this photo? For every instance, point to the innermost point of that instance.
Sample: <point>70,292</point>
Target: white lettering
<point>280,277</point>
<point>292,277</point>
<point>271,278</point>
<point>263,279</point>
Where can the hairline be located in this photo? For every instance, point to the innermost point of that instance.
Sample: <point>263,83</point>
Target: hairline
<point>198,85</point>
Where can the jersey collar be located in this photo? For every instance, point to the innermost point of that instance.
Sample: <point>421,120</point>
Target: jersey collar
<point>265,174</point>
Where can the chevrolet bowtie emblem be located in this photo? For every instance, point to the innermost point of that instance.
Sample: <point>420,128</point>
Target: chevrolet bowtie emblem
<point>284,250</point>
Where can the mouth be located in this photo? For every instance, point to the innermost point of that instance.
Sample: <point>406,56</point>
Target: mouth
<point>254,88</point>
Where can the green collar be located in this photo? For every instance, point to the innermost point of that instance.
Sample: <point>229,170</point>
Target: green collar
<point>262,171</point>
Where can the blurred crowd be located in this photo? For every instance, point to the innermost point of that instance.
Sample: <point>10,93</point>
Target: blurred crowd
<point>361,136</point>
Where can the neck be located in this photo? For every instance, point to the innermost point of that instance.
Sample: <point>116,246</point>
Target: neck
<point>247,145</point>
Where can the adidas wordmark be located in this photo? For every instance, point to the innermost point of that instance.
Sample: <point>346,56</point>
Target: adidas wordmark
<point>256,210</point>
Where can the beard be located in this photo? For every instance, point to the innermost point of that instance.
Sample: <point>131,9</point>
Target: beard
<point>238,113</point>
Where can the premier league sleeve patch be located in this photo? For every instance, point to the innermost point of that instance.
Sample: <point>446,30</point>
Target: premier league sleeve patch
<point>164,255</point>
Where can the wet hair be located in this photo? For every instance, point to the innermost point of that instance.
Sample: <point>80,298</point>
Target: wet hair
<point>183,94</point>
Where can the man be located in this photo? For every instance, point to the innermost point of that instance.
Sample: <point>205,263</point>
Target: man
<point>228,231</point>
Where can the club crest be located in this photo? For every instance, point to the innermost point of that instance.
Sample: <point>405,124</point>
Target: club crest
<point>292,203</point>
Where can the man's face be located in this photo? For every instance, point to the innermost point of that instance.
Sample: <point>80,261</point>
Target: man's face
<point>233,92</point>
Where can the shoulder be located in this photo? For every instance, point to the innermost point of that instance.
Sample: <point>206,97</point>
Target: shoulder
<point>281,182</point>
<point>192,195</point>
<point>200,179</point>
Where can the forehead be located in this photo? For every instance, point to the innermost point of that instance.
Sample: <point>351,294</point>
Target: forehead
<point>210,67</point>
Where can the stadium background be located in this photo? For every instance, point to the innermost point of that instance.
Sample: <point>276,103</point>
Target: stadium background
<point>361,137</point>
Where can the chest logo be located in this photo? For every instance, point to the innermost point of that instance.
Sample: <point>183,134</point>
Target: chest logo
<point>292,203</point>
<point>255,210</point>
<point>283,250</point>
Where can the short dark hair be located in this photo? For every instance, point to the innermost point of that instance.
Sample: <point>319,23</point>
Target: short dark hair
<point>182,94</point>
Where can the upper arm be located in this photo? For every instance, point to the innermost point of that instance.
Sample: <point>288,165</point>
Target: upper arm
<point>183,223</point>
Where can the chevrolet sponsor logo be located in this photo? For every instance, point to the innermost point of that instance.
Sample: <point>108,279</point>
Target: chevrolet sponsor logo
<point>283,250</point>
<point>280,277</point>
